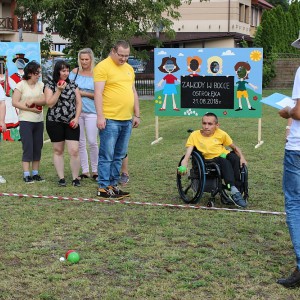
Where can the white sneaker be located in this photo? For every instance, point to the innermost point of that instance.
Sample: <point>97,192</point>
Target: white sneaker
<point>2,180</point>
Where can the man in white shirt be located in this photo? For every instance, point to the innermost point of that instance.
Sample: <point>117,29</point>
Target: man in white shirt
<point>291,177</point>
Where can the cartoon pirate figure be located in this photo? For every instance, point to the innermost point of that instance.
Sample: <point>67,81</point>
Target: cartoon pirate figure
<point>194,64</point>
<point>169,66</point>
<point>11,116</point>
<point>242,70</point>
<point>20,61</point>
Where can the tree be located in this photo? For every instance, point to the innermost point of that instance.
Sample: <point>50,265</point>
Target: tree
<point>98,23</point>
<point>277,30</point>
<point>283,3</point>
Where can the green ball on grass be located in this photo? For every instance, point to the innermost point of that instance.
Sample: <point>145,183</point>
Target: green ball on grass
<point>73,257</point>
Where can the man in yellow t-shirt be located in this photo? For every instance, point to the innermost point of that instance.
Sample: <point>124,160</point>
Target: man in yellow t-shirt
<point>212,141</point>
<point>117,108</point>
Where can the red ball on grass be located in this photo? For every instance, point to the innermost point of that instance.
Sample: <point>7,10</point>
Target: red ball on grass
<point>68,252</point>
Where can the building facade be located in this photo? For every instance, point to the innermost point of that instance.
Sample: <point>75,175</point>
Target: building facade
<point>15,29</point>
<point>214,23</point>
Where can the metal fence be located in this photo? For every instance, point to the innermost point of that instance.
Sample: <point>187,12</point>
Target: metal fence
<point>145,85</point>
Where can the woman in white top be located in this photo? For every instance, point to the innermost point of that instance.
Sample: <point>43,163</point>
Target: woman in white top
<point>29,98</point>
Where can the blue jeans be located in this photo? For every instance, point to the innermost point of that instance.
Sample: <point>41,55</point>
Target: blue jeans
<point>291,188</point>
<point>114,141</point>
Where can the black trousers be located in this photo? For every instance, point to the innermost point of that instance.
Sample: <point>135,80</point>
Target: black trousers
<point>32,138</point>
<point>230,169</point>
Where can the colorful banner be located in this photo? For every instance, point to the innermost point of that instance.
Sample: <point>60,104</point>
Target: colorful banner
<point>193,81</point>
<point>13,59</point>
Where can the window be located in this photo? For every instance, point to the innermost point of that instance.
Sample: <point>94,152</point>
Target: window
<point>247,14</point>
<point>244,13</point>
<point>241,12</point>
<point>40,26</point>
<point>59,47</point>
<point>255,16</point>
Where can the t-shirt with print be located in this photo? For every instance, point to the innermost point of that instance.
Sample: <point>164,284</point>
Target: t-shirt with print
<point>65,108</point>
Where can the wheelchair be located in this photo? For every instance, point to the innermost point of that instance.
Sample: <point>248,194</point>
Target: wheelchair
<point>204,176</point>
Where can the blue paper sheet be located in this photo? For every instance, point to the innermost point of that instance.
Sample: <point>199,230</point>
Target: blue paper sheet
<point>278,101</point>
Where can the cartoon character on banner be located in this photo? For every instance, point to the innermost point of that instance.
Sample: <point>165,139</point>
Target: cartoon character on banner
<point>11,116</point>
<point>214,65</point>
<point>20,62</point>
<point>194,65</point>
<point>169,66</point>
<point>242,70</point>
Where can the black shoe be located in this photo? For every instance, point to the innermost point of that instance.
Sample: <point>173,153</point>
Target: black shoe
<point>37,177</point>
<point>28,179</point>
<point>292,281</point>
<point>107,193</point>
<point>62,182</point>
<point>82,176</point>
<point>76,182</point>
<point>251,108</point>
<point>117,191</point>
<point>238,109</point>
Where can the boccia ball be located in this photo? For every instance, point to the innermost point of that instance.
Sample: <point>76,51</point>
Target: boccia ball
<point>68,252</point>
<point>60,82</point>
<point>223,155</point>
<point>72,124</point>
<point>73,257</point>
<point>182,169</point>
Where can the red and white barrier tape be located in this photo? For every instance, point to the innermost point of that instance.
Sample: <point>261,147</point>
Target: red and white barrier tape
<point>113,201</point>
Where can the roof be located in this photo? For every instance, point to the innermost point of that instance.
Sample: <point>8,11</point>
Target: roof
<point>262,3</point>
<point>181,37</point>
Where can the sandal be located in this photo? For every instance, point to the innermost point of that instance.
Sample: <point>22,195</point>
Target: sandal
<point>82,176</point>
<point>95,177</point>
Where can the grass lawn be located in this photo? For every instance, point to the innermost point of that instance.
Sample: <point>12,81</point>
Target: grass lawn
<point>148,252</point>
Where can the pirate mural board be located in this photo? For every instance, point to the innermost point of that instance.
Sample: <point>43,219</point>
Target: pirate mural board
<point>193,81</point>
<point>13,59</point>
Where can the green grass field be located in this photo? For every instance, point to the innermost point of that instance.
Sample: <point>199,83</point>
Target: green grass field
<point>130,251</point>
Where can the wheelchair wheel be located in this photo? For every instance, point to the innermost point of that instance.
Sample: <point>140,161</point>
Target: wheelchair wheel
<point>191,185</point>
<point>210,203</point>
<point>244,180</point>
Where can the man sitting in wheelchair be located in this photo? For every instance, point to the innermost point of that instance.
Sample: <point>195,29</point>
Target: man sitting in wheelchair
<point>211,141</point>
